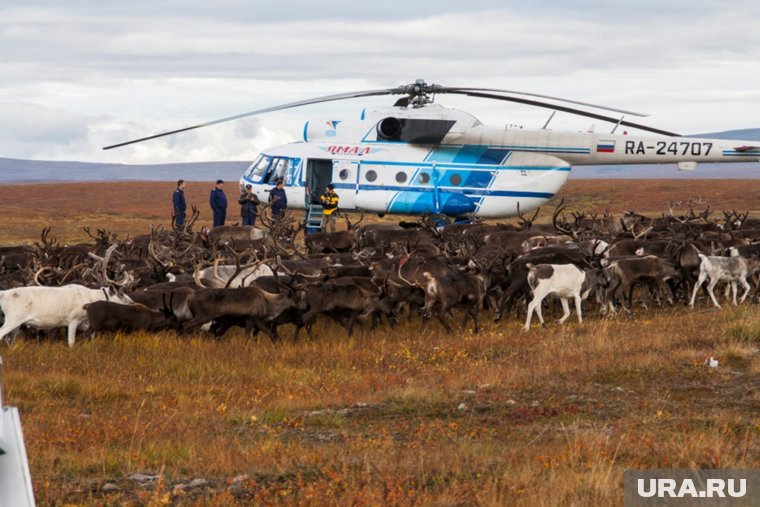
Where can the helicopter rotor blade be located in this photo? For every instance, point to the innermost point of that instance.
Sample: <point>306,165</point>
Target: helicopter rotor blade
<point>566,109</point>
<point>452,89</point>
<point>418,94</point>
<point>316,100</point>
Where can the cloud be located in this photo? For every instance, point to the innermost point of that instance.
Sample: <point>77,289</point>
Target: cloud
<point>103,72</point>
<point>24,127</point>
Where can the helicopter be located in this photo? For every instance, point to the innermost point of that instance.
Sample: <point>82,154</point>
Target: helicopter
<point>418,157</point>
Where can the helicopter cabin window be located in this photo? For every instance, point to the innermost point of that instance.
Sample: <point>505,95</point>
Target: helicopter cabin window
<point>401,177</point>
<point>343,174</point>
<point>370,175</point>
<point>259,167</point>
<point>455,179</point>
<point>423,178</point>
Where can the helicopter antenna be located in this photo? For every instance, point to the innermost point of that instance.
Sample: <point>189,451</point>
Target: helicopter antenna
<point>617,124</point>
<point>547,121</point>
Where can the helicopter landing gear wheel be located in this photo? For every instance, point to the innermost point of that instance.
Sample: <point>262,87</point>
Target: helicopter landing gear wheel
<point>436,220</point>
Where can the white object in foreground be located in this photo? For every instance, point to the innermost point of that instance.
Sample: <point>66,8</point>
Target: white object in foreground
<point>15,479</point>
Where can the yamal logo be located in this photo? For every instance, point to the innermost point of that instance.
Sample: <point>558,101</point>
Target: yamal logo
<point>332,126</point>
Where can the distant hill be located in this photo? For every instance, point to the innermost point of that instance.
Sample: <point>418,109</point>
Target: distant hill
<point>21,171</point>
<point>743,134</point>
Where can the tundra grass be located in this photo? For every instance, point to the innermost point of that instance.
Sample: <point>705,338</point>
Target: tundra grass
<point>401,416</point>
<point>409,415</point>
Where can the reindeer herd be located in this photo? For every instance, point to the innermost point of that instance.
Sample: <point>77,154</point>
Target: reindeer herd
<point>374,274</point>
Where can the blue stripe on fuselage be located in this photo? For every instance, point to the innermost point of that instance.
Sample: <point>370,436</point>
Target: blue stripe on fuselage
<point>468,167</point>
<point>446,189</point>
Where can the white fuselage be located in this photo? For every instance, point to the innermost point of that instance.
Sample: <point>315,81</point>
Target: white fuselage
<point>452,164</point>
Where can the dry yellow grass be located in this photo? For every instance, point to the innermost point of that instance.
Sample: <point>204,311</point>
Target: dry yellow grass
<point>398,416</point>
<point>395,416</point>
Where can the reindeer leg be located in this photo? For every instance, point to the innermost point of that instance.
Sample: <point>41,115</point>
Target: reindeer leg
<point>72,332</point>
<point>472,312</point>
<point>441,319</point>
<point>645,289</point>
<point>710,287</point>
<point>700,281</point>
<point>504,300</point>
<point>275,334</point>
<point>539,311</point>
<point>565,310</point>
<point>747,288</point>
<point>625,290</point>
<point>350,324</point>
<point>531,308</point>
<point>8,327</point>
<point>727,291</point>
<point>578,308</point>
<point>669,290</point>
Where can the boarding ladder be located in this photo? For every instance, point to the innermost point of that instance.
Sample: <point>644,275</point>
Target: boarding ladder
<point>314,215</point>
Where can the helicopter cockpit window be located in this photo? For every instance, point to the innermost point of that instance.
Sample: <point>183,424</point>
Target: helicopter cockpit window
<point>277,170</point>
<point>280,169</point>
<point>259,167</point>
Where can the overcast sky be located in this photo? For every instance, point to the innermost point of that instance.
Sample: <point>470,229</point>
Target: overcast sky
<point>76,75</point>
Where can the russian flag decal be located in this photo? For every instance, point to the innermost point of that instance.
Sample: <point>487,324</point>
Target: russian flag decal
<point>605,146</point>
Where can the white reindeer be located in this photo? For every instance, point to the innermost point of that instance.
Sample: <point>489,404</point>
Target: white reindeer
<point>727,269</point>
<point>562,280</point>
<point>52,307</point>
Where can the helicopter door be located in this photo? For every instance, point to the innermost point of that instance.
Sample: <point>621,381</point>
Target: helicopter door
<point>318,175</point>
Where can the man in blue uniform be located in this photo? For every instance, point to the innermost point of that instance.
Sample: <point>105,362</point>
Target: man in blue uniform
<point>218,203</point>
<point>278,199</point>
<point>178,202</point>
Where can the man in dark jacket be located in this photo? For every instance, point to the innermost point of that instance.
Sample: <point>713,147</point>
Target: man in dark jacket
<point>278,199</point>
<point>218,203</point>
<point>179,205</point>
<point>249,206</point>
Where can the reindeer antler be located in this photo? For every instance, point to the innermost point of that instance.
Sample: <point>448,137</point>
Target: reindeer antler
<point>526,223</point>
<point>558,218</point>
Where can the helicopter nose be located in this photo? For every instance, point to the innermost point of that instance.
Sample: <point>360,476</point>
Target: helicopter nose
<point>456,204</point>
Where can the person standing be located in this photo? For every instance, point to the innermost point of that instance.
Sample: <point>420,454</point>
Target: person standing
<point>329,206</point>
<point>218,203</point>
<point>249,205</point>
<point>179,204</point>
<point>278,199</point>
